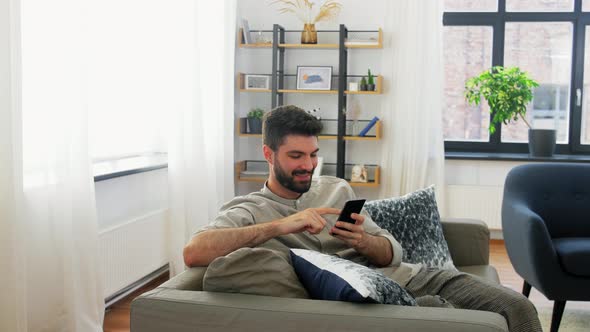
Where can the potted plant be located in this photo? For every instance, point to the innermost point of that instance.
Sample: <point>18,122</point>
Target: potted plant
<point>255,120</point>
<point>508,91</point>
<point>363,84</point>
<point>370,82</point>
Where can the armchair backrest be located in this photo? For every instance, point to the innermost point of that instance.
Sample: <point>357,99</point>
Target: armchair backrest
<point>559,193</point>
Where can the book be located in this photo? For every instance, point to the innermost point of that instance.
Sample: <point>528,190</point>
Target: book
<point>246,31</point>
<point>370,125</point>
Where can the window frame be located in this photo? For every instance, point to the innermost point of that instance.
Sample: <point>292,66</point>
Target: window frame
<point>497,21</point>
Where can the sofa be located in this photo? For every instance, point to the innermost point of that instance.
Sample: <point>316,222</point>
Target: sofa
<point>181,305</point>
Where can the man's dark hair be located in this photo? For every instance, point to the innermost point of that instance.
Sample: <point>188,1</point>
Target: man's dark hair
<point>288,120</point>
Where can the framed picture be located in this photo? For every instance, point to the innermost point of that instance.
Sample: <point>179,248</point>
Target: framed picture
<point>314,78</point>
<point>257,82</point>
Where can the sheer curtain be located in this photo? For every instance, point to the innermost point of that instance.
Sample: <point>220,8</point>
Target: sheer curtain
<point>413,150</point>
<point>12,306</point>
<point>49,229</point>
<point>200,152</point>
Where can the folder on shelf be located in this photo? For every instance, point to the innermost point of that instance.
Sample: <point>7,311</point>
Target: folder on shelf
<point>246,31</point>
<point>370,125</point>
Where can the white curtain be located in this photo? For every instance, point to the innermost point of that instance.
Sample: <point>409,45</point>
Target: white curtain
<point>200,153</point>
<point>48,219</point>
<point>413,151</point>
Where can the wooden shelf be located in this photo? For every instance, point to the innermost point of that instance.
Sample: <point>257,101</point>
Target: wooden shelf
<point>309,46</point>
<point>372,184</point>
<point>256,45</point>
<point>243,133</point>
<point>320,46</point>
<point>377,137</point>
<point>378,88</point>
<point>241,166</point>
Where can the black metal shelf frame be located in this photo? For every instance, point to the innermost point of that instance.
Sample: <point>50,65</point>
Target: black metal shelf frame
<point>278,81</point>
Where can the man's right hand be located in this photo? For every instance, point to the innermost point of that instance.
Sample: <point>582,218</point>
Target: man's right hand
<point>310,220</point>
<point>204,247</point>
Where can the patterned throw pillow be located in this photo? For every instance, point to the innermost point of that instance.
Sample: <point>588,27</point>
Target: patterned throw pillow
<point>413,220</point>
<point>331,278</point>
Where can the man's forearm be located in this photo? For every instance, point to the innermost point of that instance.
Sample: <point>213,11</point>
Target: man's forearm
<point>208,245</point>
<point>378,250</point>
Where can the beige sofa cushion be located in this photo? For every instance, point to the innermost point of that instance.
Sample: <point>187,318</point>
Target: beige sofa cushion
<point>257,271</point>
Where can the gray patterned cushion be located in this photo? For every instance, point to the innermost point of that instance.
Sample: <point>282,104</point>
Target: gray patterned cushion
<point>414,221</point>
<point>331,278</point>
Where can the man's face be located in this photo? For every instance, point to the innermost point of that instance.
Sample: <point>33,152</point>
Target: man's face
<point>294,162</point>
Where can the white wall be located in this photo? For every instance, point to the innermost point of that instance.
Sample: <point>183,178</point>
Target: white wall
<point>474,188</point>
<point>132,220</point>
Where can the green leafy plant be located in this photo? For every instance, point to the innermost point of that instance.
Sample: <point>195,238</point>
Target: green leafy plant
<point>363,81</point>
<point>371,79</point>
<point>507,91</point>
<point>256,113</point>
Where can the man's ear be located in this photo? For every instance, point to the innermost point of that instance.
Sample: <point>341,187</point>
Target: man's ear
<point>268,154</point>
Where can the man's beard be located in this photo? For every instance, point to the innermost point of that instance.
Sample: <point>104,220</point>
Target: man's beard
<point>289,181</point>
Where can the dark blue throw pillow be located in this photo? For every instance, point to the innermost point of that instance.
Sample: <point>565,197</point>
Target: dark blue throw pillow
<point>414,222</point>
<point>331,278</point>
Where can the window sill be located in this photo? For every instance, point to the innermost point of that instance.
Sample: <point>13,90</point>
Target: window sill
<point>110,169</point>
<point>494,156</point>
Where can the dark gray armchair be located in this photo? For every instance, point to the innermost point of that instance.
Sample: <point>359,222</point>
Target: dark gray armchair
<point>546,226</point>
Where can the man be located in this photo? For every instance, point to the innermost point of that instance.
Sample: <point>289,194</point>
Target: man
<point>292,212</point>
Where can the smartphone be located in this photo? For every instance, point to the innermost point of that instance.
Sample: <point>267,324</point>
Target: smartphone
<point>354,206</point>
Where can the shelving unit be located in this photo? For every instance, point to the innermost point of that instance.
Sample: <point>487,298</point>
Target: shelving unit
<point>279,88</point>
<point>242,87</point>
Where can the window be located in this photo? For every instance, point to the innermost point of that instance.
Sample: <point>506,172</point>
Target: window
<point>547,39</point>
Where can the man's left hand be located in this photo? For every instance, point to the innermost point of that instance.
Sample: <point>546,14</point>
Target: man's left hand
<point>353,234</point>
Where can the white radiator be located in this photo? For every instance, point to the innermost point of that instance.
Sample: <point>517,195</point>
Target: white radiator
<point>132,250</point>
<point>479,202</point>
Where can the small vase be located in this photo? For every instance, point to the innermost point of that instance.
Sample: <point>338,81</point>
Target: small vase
<point>309,35</point>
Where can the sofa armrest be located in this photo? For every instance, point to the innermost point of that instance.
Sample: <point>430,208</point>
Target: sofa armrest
<point>191,279</point>
<point>175,310</point>
<point>468,240</point>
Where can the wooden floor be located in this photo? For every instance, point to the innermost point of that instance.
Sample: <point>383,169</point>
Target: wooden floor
<point>117,317</point>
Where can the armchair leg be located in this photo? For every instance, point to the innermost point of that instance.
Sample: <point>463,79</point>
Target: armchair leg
<point>526,289</point>
<point>558,307</point>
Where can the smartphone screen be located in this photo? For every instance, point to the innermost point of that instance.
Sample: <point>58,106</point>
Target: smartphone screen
<point>354,206</point>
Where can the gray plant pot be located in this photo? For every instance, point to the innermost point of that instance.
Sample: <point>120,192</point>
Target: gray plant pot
<point>541,142</point>
<point>254,125</point>
<point>370,87</point>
